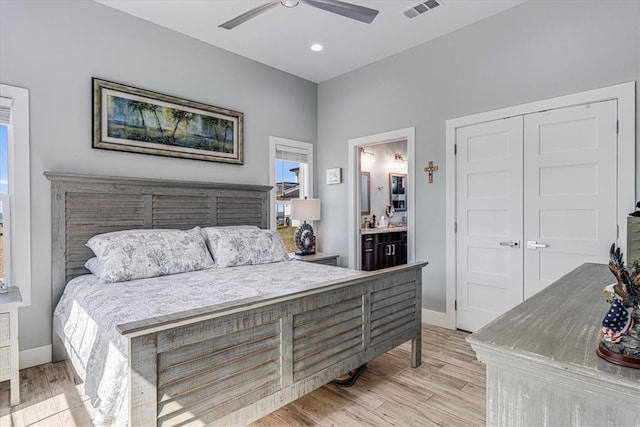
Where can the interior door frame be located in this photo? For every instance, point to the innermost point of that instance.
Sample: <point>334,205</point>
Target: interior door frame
<point>353,174</point>
<point>624,93</point>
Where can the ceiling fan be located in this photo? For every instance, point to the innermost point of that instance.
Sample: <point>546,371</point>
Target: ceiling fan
<point>349,10</point>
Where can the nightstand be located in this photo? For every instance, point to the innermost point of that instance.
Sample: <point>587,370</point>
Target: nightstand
<point>318,258</point>
<point>9,367</point>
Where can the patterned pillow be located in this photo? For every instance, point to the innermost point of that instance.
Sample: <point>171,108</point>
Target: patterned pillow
<point>136,254</point>
<point>221,230</point>
<point>233,247</point>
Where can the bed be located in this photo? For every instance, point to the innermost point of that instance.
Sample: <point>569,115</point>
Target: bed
<point>309,325</point>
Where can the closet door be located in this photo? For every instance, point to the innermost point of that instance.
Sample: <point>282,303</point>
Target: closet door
<point>536,197</point>
<point>570,190</point>
<point>489,220</point>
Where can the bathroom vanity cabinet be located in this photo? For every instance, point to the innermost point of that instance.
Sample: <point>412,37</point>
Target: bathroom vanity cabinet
<point>383,248</point>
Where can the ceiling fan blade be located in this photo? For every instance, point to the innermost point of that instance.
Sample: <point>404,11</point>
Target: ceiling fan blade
<point>248,15</point>
<point>349,10</point>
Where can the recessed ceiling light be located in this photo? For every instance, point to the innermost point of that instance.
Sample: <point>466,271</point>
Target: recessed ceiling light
<point>316,47</point>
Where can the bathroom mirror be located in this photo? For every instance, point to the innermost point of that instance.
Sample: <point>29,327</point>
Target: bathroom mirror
<point>398,191</point>
<point>365,201</point>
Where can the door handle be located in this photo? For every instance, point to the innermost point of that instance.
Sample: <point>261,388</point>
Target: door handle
<point>393,252</point>
<point>532,244</point>
<point>513,244</point>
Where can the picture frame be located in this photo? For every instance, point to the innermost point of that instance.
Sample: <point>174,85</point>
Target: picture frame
<point>126,118</point>
<point>334,176</point>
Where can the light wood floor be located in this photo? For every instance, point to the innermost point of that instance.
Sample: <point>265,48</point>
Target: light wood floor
<point>447,390</point>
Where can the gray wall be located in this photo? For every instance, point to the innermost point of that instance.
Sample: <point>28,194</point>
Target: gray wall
<point>54,48</point>
<point>538,50</point>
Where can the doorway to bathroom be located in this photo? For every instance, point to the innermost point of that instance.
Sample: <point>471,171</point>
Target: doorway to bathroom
<point>382,184</point>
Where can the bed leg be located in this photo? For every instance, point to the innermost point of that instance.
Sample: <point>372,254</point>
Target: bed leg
<point>416,350</point>
<point>416,342</point>
<point>143,393</point>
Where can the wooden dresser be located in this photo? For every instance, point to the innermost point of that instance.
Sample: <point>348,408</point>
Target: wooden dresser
<point>633,239</point>
<point>542,367</point>
<point>9,366</point>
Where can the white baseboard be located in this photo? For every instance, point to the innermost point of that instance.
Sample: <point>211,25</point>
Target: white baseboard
<point>436,318</point>
<point>35,356</point>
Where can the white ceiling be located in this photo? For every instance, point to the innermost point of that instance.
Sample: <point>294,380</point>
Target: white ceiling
<point>281,37</point>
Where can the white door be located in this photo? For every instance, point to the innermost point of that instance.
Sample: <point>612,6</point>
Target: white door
<point>570,188</point>
<point>562,214</point>
<point>489,220</point>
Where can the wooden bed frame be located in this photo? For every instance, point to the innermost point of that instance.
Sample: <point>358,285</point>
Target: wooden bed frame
<point>232,363</point>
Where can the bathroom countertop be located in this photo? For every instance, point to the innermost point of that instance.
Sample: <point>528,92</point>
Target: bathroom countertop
<point>381,230</point>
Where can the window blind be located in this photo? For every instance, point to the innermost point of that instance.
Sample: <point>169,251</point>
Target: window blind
<point>291,154</point>
<point>5,110</point>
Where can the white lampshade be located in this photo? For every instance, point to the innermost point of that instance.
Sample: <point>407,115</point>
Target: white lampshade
<point>305,209</point>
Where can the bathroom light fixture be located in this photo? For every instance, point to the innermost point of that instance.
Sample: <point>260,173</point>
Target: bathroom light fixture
<point>400,163</point>
<point>289,3</point>
<point>316,47</point>
<point>365,153</point>
<point>366,160</point>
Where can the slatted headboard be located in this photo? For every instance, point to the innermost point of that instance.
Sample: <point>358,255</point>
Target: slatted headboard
<point>86,205</point>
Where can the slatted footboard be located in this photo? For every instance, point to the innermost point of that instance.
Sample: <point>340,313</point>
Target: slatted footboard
<point>232,366</point>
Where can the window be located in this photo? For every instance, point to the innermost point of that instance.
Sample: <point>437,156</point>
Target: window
<point>5,205</point>
<point>15,209</point>
<point>291,175</point>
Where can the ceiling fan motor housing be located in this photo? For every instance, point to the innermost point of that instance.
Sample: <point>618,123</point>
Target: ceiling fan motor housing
<point>289,3</point>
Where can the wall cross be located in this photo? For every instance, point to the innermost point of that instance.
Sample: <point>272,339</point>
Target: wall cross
<point>430,170</point>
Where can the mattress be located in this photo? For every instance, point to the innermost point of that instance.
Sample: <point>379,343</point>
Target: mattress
<point>89,311</point>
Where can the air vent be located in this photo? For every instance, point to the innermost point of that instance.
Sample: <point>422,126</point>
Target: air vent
<point>421,8</point>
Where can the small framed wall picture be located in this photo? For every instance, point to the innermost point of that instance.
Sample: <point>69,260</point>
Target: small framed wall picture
<point>334,176</point>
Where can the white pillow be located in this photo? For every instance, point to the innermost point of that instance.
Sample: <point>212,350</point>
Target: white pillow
<point>234,247</point>
<point>136,254</point>
<point>221,229</point>
<point>93,265</point>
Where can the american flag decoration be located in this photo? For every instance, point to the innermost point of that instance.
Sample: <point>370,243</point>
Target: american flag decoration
<point>617,323</point>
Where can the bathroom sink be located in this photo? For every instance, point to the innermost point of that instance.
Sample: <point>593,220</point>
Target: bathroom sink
<point>396,225</point>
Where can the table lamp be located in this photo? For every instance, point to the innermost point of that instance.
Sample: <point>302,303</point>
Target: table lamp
<point>305,210</point>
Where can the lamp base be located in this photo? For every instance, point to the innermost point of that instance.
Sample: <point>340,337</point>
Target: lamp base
<point>305,240</point>
<point>305,253</point>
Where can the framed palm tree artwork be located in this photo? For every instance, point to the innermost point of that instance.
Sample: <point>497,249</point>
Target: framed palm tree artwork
<point>126,118</point>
